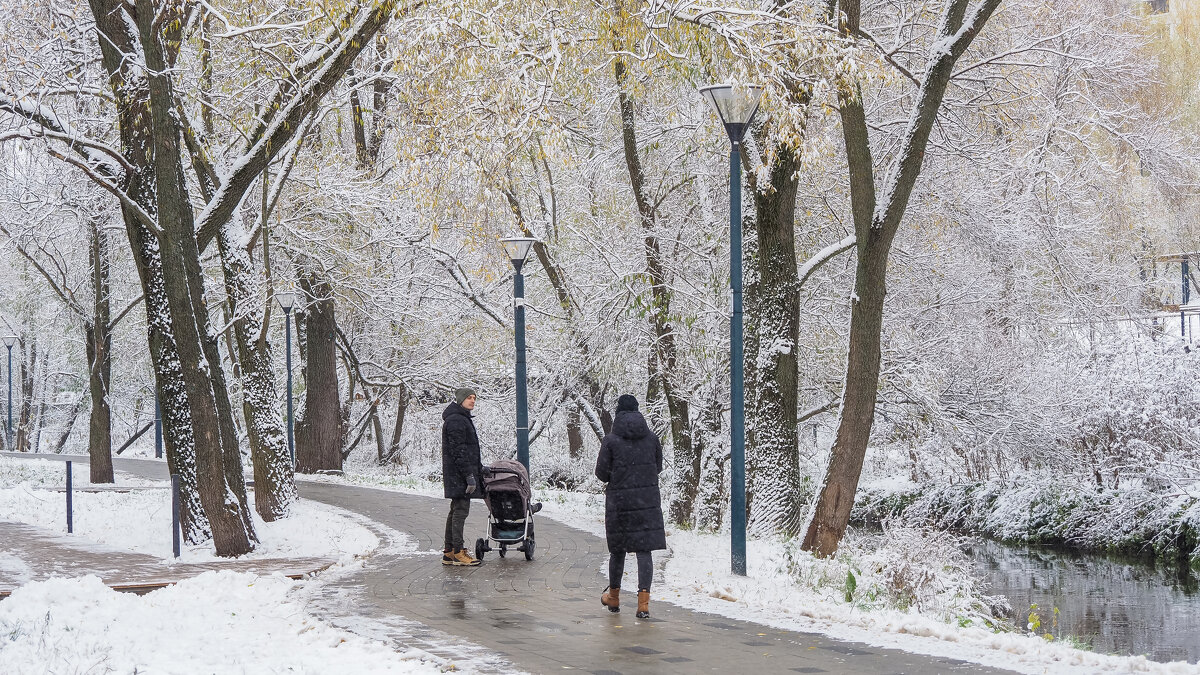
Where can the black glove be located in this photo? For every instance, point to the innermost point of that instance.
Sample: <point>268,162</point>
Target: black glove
<point>471,485</point>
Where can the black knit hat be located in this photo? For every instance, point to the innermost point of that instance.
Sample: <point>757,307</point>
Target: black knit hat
<point>627,403</point>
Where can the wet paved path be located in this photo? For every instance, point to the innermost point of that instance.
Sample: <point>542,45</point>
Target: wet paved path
<point>545,616</point>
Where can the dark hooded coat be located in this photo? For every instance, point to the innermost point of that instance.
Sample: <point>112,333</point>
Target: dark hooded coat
<point>460,453</point>
<point>630,461</point>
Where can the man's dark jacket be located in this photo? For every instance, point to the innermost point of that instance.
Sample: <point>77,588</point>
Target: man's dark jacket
<point>460,453</point>
<point>630,461</point>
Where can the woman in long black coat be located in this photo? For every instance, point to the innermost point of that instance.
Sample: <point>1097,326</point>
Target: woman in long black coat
<point>630,461</point>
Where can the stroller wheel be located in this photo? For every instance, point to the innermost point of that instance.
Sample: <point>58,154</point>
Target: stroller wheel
<point>529,548</point>
<point>503,550</point>
<point>481,547</point>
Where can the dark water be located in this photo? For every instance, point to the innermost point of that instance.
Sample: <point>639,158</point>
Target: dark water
<point>1116,607</point>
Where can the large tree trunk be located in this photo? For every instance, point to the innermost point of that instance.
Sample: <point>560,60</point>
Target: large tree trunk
<point>118,47</point>
<point>773,458</point>
<point>321,432</point>
<point>222,489</point>
<point>875,226</point>
<point>99,356</point>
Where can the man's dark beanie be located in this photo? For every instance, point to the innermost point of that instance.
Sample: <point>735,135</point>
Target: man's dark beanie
<point>461,395</point>
<point>627,403</point>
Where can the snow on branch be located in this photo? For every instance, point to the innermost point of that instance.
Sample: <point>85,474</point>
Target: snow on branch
<point>286,123</point>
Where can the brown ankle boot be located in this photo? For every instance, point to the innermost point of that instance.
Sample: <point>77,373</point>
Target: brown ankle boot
<point>643,610</point>
<point>611,599</point>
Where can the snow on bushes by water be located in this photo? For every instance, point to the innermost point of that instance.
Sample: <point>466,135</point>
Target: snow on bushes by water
<point>1043,508</point>
<point>216,622</point>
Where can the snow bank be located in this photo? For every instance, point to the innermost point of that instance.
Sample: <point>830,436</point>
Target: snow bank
<point>140,520</point>
<point>216,622</point>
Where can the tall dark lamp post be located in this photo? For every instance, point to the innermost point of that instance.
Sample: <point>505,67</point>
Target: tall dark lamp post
<point>736,106</point>
<point>9,341</point>
<point>518,250</point>
<point>287,300</point>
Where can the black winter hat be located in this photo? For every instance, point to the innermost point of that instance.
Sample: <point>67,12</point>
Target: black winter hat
<point>627,403</point>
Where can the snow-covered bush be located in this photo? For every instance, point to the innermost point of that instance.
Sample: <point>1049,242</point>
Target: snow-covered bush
<point>907,568</point>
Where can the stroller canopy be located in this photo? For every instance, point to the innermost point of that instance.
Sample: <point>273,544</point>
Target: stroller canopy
<point>507,475</point>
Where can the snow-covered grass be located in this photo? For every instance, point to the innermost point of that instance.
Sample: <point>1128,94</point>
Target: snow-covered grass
<point>140,520</point>
<point>226,622</point>
<point>911,590</point>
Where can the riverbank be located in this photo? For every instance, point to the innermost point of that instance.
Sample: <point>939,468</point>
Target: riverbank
<point>1046,510</point>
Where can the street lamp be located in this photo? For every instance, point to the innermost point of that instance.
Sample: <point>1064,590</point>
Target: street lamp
<point>736,105</point>
<point>518,250</point>
<point>287,300</point>
<point>9,341</point>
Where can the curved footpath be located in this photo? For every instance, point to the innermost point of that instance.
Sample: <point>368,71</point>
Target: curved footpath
<point>545,616</point>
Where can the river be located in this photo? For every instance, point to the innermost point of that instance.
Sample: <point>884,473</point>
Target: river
<point>1114,606</point>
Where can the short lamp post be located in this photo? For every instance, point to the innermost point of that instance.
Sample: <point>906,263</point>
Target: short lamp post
<point>287,300</point>
<point>9,341</point>
<point>736,106</point>
<point>518,250</point>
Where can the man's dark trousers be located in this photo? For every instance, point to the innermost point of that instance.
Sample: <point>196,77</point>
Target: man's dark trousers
<point>455,521</point>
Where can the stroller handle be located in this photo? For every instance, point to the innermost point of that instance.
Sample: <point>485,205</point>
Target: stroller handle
<point>498,470</point>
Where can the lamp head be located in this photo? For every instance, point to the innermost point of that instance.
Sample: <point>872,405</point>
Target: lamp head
<point>10,340</point>
<point>518,249</point>
<point>735,104</point>
<point>286,299</point>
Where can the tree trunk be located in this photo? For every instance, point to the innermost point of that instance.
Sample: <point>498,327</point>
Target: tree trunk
<point>773,459</point>
<point>222,489</point>
<point>274,489</point>
<point>663,371</point>
<point>574,434</point>
<point>403,396</point>
<point>99,356</point>
<point>320,433</point>
<point>875,227</point>
<point>25,412</point>
<point>714,454</point>
<point>119,49</point>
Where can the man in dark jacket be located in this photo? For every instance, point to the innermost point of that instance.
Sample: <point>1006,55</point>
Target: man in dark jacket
<point>630,461</point>
<point>462,473</point>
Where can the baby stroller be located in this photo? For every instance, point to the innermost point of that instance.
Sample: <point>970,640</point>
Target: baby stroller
<point>510,514</point>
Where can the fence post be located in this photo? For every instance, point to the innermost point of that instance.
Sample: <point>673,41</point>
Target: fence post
<point>175,514</point>
<point>70,516</point>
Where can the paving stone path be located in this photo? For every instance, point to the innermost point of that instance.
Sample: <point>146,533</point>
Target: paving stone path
<point>544,615</point>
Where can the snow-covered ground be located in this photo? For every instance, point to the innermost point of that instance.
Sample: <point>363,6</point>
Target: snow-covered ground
<point>140,520</point>
<point>789,589</point>
<point>218,622</point>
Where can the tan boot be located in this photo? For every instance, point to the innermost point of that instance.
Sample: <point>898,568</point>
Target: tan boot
<point>461,557</point>
<point>447,557</point>
<point>643,610</point>
<point>611,599</point>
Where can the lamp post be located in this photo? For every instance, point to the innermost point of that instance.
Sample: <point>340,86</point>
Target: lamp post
<point>286,300</point>
<point>736,106</point>
<point>518,250</point>
<point>9,341</point>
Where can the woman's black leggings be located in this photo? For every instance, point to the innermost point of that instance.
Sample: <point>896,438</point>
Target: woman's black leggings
<point>616,567</point>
